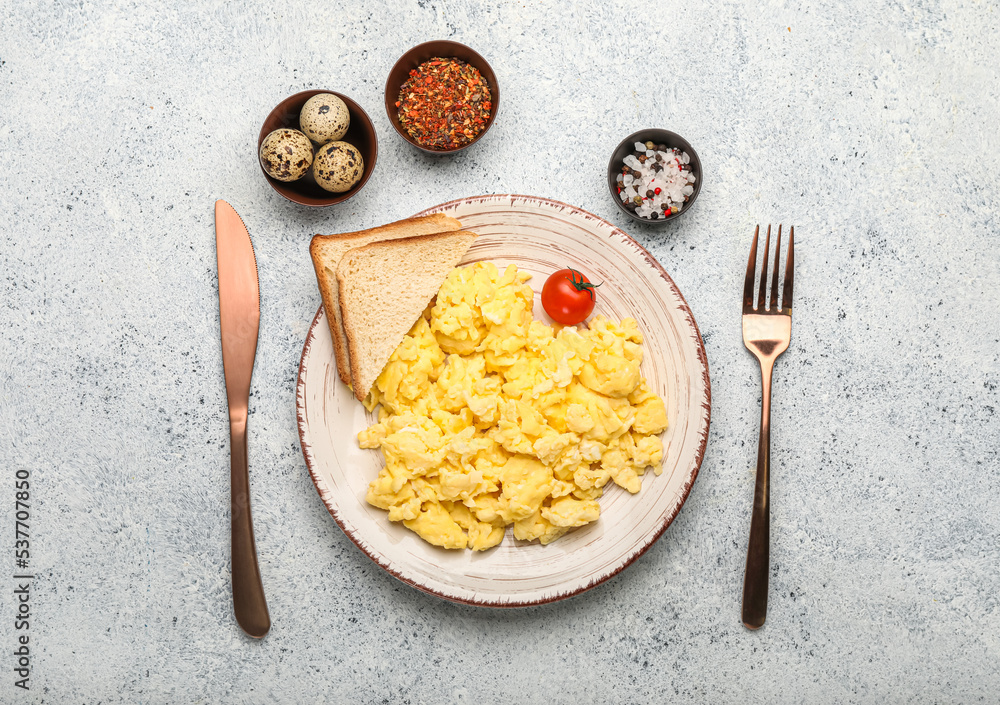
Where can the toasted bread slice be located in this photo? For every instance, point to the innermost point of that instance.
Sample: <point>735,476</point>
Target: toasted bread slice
<point>326,252</point>
<point>384,288</point>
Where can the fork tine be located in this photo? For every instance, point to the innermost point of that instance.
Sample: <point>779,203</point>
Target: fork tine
<point>751,265</point>
<point>773,306</point>
<point>762,297</point>
<point>786,296</point>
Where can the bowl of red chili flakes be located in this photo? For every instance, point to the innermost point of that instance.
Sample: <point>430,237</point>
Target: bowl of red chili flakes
<point>441,97</point>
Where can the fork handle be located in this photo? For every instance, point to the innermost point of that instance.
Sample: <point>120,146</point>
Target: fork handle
<point>759,547</point>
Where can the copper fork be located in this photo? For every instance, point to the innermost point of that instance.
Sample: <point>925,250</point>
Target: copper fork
<point>767,330</point>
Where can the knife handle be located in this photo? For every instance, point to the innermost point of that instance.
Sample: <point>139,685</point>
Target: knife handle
<point>248,591</point>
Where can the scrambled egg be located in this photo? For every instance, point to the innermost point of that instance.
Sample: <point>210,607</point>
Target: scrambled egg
<point>490,418</point>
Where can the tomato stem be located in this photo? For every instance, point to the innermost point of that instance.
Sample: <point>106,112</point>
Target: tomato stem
<point>582,285</point>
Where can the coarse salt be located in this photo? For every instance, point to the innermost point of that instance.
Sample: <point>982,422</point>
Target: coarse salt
<point>659,170</point>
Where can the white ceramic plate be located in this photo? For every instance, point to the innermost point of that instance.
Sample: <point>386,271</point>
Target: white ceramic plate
<point>539,236</point>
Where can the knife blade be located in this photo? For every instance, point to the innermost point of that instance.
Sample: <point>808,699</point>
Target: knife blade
<point>239,321</point>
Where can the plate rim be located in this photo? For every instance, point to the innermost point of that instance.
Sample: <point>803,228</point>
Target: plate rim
<point>665,522</point>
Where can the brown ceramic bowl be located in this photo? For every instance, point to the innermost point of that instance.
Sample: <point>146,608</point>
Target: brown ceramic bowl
<point>306,191</point>
<point>431,50</point>
<point>671,139</point>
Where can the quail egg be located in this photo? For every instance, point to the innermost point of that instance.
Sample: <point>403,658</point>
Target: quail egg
<point>324,118</point>
<point>338,166</point>
<point>286,154</point>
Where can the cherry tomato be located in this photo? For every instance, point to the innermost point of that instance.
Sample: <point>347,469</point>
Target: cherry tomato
<point>568,297</point>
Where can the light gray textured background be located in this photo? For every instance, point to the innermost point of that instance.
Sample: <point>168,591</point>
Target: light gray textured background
<point>872,126</point>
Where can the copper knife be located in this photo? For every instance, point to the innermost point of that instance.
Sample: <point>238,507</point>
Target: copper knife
<point>239,320</point>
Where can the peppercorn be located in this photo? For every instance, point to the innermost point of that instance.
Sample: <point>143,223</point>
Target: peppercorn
<point>637,200</point>
<point>649,193</point>
<point>649,144</point>
<point>642,158</point>
<point>654,215</point>
<point>661,147</point>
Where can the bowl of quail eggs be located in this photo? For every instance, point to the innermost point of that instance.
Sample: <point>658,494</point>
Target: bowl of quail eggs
<point>317,148</point>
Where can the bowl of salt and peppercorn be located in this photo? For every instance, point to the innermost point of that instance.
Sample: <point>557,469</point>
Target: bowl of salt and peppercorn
<point>654,176</point>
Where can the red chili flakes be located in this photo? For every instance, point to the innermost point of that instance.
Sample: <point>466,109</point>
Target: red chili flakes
<point>444,104</point>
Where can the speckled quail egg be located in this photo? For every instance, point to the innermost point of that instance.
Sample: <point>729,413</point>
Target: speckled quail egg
<point>338,166</point>
<point>324,118</point>
<point>286,154</point>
